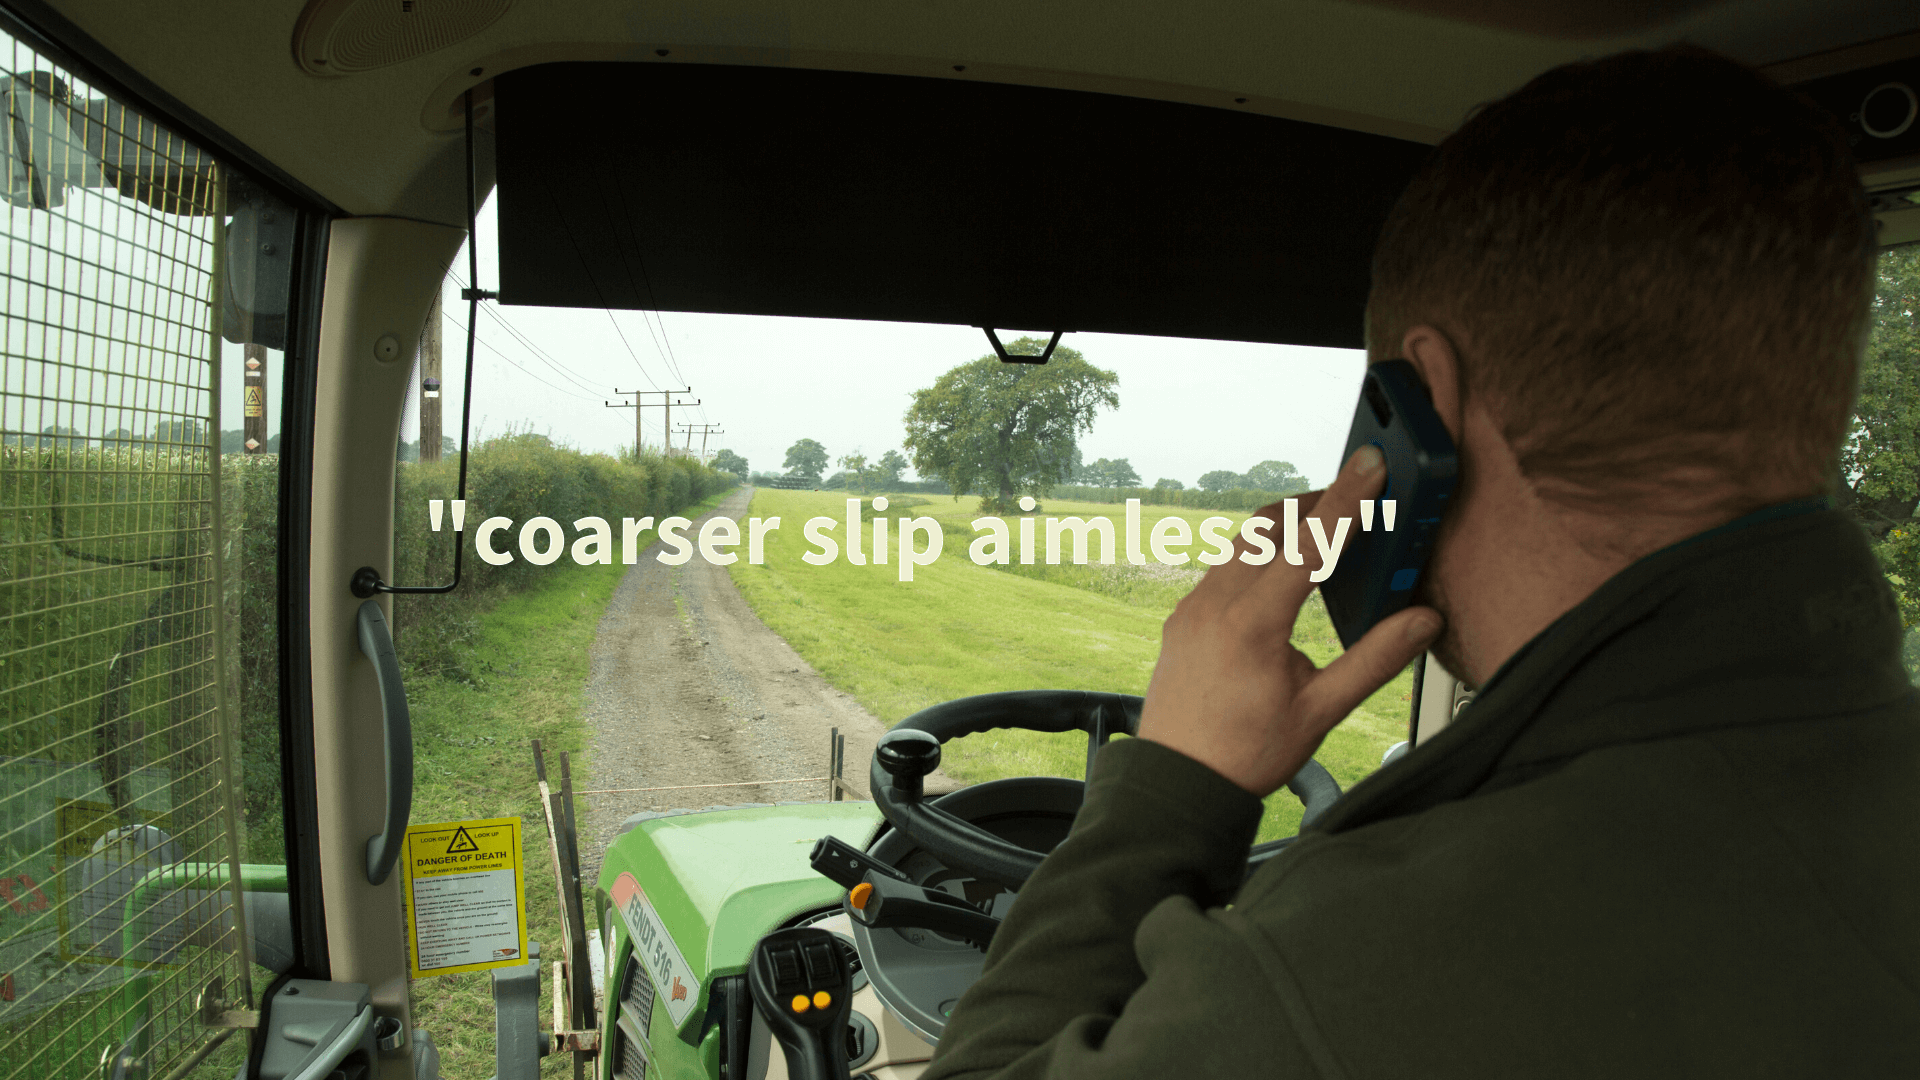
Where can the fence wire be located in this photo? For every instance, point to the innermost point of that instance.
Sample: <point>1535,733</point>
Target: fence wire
<point>119,847</point>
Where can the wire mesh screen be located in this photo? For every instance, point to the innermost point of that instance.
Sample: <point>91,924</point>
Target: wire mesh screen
<point>119,839</point>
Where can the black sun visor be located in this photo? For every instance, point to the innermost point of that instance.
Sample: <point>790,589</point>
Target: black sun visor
<point>779,191</point>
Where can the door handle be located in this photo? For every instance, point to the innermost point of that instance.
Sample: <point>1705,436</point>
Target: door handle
<point>311,1028</point>
<point>376,641</point>
<point>328,1056</point>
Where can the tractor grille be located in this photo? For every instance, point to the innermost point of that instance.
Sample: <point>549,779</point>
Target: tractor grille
<point>636,993</point>
<point>629,1061</point>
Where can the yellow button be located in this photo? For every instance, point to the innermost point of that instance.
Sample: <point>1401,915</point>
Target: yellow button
<point>800,1003</point>
<point>822,999</point>
<point>860,895</point>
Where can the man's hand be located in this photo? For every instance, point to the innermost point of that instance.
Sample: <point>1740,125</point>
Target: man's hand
<point>1231,691</point>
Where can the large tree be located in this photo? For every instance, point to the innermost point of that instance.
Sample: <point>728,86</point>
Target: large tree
<point>1277,476</point>
<point>858,471</point>
<point>1222,480</point>
<point>1004,430</point>
<point>1075,469</point>
<point>1880,462</point>
<point>807,459</point>
<point>1115,473</point>
<point>176,433</point>
<point>728,461</point>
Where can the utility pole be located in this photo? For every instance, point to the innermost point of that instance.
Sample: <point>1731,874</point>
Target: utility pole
<point>639,406</point>
<point>253,410</point>
<point>430,384</point>
<point>705,430</point>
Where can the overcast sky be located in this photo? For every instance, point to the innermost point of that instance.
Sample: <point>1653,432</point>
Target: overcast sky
<point>1186,407</point>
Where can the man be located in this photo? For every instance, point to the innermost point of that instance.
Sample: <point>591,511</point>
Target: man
<point>1678,831</point>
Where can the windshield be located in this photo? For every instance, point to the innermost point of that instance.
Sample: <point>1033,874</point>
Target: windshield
<point>711,661</point>
<point>704,548</point>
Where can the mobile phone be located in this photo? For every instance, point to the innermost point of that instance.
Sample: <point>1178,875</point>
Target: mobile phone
<point>1379,568</point>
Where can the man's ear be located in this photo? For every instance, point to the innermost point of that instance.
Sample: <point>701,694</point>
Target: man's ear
<point>1433,355</point>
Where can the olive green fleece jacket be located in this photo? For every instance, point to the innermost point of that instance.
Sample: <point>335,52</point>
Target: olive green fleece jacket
<point>1678,835</point>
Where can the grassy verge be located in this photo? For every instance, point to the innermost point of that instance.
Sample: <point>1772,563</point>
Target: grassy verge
<point>523,679</point>
<point>958,629</point>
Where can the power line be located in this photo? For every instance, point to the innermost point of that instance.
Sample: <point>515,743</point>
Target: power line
<point>568,233</point>
<point>565,372</point>
<point>517,365</point>
<point>672,358</point>
<point>672,368</point>
<point>666,354</point>
<point>545,357</point>
<point>629,347</point>
<point>491,347</point>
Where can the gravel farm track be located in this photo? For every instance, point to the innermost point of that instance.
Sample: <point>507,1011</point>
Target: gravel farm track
<point>689,687</point>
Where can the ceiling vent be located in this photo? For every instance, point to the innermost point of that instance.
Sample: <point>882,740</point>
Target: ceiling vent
<point>346,37</point>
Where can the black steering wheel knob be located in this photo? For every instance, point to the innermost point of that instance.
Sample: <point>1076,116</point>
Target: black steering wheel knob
<point>908,756</point>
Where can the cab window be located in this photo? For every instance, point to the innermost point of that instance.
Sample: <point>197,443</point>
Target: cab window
<point>144,343</point>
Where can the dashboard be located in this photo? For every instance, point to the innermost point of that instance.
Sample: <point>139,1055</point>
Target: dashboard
<point>909,979</point>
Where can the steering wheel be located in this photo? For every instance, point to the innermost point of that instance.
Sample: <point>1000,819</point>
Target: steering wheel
<point>905,755</point>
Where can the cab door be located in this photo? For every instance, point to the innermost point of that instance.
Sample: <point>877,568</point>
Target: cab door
<point>158,873</point>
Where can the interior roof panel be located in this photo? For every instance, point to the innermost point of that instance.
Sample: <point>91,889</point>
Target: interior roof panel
<point>1405,68</point>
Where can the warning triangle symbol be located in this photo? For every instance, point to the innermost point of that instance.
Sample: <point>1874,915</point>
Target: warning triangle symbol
<point>461,842</point>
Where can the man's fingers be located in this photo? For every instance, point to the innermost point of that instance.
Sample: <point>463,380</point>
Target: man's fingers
<point>1362,477</point>
<point>1236,575</point>
<point>1374,660</point>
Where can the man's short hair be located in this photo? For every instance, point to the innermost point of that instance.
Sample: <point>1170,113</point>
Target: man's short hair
<point>1656,267</point>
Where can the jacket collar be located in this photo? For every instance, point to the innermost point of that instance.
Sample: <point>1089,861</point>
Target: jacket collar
<point>1781,615</point>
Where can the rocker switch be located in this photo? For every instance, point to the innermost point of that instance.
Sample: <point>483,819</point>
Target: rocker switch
<point>820,962</point>
<point>786,968</point>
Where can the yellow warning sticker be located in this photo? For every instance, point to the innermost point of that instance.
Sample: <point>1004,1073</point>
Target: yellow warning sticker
<point>465,895</point>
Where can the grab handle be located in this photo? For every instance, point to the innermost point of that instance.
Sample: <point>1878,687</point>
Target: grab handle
<point>383,848</point>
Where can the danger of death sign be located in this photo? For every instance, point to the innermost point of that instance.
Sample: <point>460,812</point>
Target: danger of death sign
<point>465,896</point>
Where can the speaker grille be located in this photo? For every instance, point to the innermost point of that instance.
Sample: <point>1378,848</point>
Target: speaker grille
<point>345,37</point>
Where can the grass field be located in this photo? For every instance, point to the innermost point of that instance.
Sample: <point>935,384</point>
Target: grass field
<point>525,679</point>
<point>958,629</point>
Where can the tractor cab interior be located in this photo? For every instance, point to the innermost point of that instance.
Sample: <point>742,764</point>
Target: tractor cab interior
<point>234,652</point>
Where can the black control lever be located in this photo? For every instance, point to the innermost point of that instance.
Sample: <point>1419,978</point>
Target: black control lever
<point>846,865</point>
<point>803,989</point>
<point>883,901</point>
